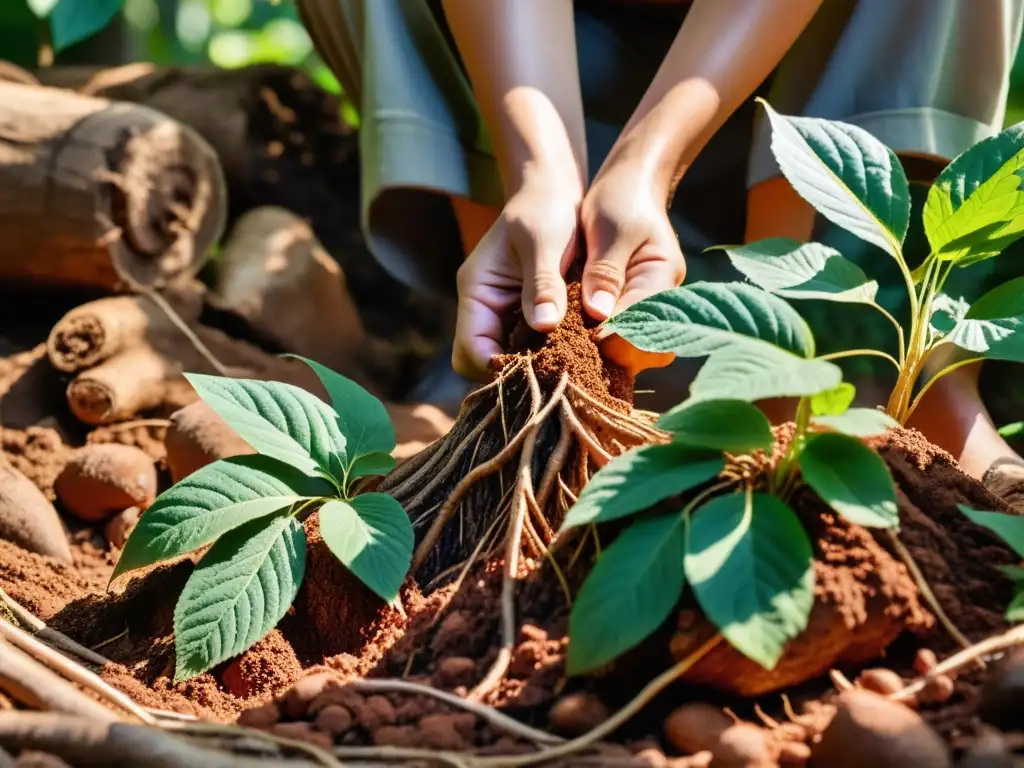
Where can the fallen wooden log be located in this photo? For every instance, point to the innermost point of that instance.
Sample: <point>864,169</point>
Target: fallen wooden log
<point>275,276</point>
<point>96,194</point>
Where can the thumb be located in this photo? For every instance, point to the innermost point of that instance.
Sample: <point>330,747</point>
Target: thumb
<point>544,293</point>
<point>605,275</point>
<point>654,268</point>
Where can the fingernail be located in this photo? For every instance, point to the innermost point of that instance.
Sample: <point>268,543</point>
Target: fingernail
<point>603,302</point>
<point>545,314</point>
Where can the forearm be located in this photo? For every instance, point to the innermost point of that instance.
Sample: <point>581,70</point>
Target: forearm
<point>723,52</point>
<point>521,59</point>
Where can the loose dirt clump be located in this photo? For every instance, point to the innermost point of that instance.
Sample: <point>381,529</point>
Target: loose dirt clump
<point>39,453</point>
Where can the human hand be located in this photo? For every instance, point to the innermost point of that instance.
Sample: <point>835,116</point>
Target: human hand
<point>522,257</point>
<point>632,252</point>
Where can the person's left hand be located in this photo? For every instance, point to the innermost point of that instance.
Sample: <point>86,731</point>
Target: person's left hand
<point>632,252</point>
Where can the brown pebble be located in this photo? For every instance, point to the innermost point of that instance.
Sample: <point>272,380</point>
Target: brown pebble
<point>455,670</point>
<point>197,436</point>
<point>883,681</point>
<point>870,730</point>
<point>303,732</point>
<point>341,695</point>
<point>695,728</point>
<point>298,698</point>
<point>103,479</point>
<point>450,732</point>
<point>261,717</point>
<point>938,690</point>
<point>1002,693</point>
<point>27,518</point>
<point>375,712</point>
<point>120,526</point>
<point>334,719</point>
<point>691,727</point>
<point>577,713</point>
<point>925,661</point>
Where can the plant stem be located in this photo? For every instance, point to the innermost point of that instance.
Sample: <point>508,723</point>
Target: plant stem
<point>787,467</point>
<point>899,334</point>
<point>859,352</point>
<point>947,370</point>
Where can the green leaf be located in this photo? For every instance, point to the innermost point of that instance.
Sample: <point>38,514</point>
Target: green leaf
<point>858,422</point>
<point>849,176</point>
<point>276,419</point>
<point>1014,572</point>
<point>239,591</point>
<point>992,326</point>
<point>761,372</point>
<point>212,501</point>
<point>795,270</point>
<point>372,464</point>
<point>1012,429</point>
<point>749,562</point>
<point>41,8</point>
<point>362,417</point>
<point>641,478</point>
<point>371,535</point>
<point>833,402</point>
<point>851,478</point>
<point>72,21</point>
<point>975,208</point>
<point>1015,610</point>
<point>1009,528</point>
<point>633,587</point>
<point>698,319</point>
<point>947,312</point>
<point>725,425</point>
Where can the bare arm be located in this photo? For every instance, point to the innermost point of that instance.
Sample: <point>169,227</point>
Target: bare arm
<point>521,59</point>
<point>724,50</point>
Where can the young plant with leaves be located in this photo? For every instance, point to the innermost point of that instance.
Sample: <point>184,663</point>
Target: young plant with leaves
<point>250,510</point>
<point>737,543</point>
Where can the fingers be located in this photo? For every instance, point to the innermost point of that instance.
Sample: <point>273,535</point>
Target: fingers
<point>543,262</point>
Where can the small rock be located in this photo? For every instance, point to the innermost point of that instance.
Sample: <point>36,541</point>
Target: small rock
<point>696,728</point>
<point>1002,694</point>
<point>691,727</point>
<point>303,732</point>
<point>870,730</point>
<point>120,526</point>
<point>925,661</point>
<point>341,695</point>
<point>577,713</point>
<point>196,437</point>
<point>261,717</point>
<point>376,711</point>
<point>103,479</point>
<point>334,719</point>
<point>27,518</point>
<point>938,690</point>
<point>298,698</point>
<point>455,670</point>
<point>448,732</point>
<point>883,681</point>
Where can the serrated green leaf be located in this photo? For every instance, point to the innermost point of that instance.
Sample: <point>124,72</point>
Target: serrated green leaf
<point>635,584</point>
<point>371,535</point>
<point>833,402</point>
<point>639,479</point>
<point>72,21</point>
<point>1015,610</point>
<point>240,590</point>
<point>725,425</point>
<point>372,464</point>
<point>362,417</point>
<point>851,478</point>
<point>757,373</point>
<point>278,420</point>
<point>749,562</point>
<point>849,176</point>
<point>698,319</point>
<point>993,324</point>
<point>1009,528</point>
<point>858,422</point>
<point>796,270</point>
<point>212,501</point>
<point>975,208</point>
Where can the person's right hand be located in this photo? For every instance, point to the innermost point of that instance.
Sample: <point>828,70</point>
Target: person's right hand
<point>522,258</point>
